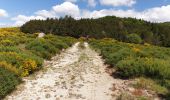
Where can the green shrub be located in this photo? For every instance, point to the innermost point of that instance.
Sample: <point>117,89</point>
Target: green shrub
<point>131,59</point>
<point>65,41</point>
<point>59,44</point>
<point>7,43</point>
<point>149,84</point>
<point>8,81</point>
<point>17,59</point>
<point>42,48</point>
<point>9,49</point>
<point>134,38</point>
<point>149,67</point>
<point>49,45</point>
<point>135,60</point>
<point>114,58</point>
<point>21,54</point>
<point>28,67</point>
<point>11,58</point>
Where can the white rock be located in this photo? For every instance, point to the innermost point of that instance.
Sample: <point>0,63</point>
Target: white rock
<point>41,35</point>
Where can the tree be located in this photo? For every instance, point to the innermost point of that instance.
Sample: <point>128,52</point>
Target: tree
<point>147,37</point>
<point>105,27</point>
<point>134,38</point>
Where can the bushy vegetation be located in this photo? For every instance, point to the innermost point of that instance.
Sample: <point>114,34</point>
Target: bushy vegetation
<point>21,54</point>
<point>134,60</point>
<point>134,38</point>
<point>106,27</point>
<point>146,83</point>
<point>8,79</point>
<point>42,48</point>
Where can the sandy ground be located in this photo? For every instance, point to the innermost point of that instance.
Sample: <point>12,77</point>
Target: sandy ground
<point>75,74</point>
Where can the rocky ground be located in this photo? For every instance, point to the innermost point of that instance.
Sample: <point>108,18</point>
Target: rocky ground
<point>78,73</point>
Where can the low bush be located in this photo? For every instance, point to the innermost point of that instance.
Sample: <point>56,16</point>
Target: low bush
<point>18,60</point>
<point>7,43</point>
<point>42,48</point>
<point>49,45</point>
<point>114,58</point>
<point>154,68</point>
<point>149,84</point>
<point>21,54</point>
<point>9,49</point>
<point>135,60</point>
<point>8,79</point>
<point>28,67</point>
<point>134,38</point>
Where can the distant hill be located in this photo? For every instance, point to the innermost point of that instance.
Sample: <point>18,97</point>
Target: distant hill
<point>109,26</point>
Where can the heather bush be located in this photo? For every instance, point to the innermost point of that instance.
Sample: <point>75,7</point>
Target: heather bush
<point>8,79</point>
<point>9,49</point>
<point>135,60</point>
<point>134,38</point>
<point>22,54</point>
<point>17,59</point>
<point>42,48</point>
<point>28,67</point>
<point>147,83</point>
<point>150,67</point>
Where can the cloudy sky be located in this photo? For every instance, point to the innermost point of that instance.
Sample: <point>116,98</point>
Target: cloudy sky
<point>17,12</point>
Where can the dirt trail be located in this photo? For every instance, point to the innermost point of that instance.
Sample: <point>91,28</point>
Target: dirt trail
<point>75,74</point>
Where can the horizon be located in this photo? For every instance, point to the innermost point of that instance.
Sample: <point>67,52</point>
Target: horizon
<point>16,13</point>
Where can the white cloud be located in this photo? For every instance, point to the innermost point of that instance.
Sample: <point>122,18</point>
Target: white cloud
<point>21,19</point>
<point>118,2</point>
<point>46,14</point>
<point>71,0</point>
<point>67,8</point>
<point>157,14</point>
<point>2,25</point>
<point>108,12</point>
<point>3,13</point>
<point>160,14</point>
<point>92,3</point>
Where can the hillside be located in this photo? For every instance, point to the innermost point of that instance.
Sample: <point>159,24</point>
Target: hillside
<point>106,27</point>
<point>115,70</point>
<point>79,73</point>
<point>84,49</point>
<point>22,54</point>
<point>131,61</point>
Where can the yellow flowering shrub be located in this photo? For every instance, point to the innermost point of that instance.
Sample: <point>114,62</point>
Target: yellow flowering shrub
<point>21,54</point>
<point>8,79</point>
<point>28,66</point>
<point>12,29</point>
<point>7,42</point>
<point>10,54</point>
<point>146,44</point>
<point>9,67</point>
<point>6,33</point>
<point>136,49</point>
<point>130,45</point>
<point>36,34</point>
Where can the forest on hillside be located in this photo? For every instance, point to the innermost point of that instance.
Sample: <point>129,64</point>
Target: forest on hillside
<point>122,29</point>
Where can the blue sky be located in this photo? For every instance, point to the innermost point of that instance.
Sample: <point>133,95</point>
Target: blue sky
<point>17,12</point>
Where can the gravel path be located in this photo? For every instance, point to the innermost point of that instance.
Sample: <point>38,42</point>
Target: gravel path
<point>75,74</point>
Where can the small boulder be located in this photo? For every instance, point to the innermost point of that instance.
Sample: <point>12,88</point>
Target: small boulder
<point>41,35</point>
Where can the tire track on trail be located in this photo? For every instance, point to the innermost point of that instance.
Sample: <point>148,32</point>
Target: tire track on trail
<point>75,74</point>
